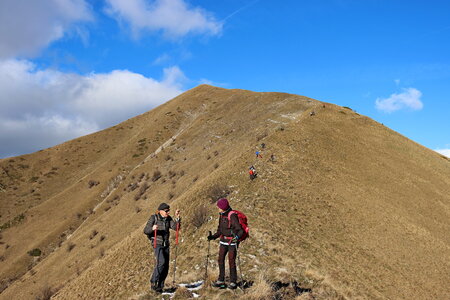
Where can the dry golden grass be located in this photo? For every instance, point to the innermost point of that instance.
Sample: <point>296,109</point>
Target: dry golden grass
<point>348,208</point>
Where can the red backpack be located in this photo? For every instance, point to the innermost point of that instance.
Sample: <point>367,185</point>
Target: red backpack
<point>242,220</point>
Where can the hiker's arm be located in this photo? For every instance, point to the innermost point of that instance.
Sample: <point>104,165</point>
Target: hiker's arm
<point>236,227</point>
<point>173,223</point>
<point>148,230</point>
<point>217,234</point>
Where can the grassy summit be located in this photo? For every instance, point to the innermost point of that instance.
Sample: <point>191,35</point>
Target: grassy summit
<point>347,208</point>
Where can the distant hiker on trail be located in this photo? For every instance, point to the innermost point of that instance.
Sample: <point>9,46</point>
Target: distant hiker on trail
<point>263,145</point>
<point>313,113</point>
<point>252,172</point>
<point>258,154</point>
<point>231,232</point>
<point>272,158</point>
<point>157,231</point>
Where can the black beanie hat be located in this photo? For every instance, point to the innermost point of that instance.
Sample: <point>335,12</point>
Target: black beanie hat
<point>163,206</point>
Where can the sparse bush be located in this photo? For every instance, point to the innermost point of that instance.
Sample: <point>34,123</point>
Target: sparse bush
<point>135,155</point>
<point>195,178</point>
<point>156,175</point>
<point>216,165</point>
<point>168,157</point>
<point>70,247</point>
<point>208,157</point>
<point>34,178</point>
<point>181,173</point>
<point>172,174</point>
<point>102,238</point>
<point>46,293</point>
<point>216,153</point>
<point>200,217</point>
<point>79,215</point>
<point>102,252</point>
<point>107,208</point>
<point>141,191</point>
<point>261,136</point>
<point>141,176</point>
<point>93,234</point>
<point>171,195</point>
<point>132,186</point>
<point>138,210</point>
<point>93,183</point>
<point>218,191</point>
<point>35,252</point>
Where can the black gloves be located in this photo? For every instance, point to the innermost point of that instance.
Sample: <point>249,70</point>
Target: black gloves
<point>211,237</point>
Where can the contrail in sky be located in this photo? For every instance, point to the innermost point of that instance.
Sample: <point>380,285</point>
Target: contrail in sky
<point>240,9</point>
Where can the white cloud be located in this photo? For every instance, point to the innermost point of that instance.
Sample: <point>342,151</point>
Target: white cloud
<point>445,152</point>
<point>41,108</point>
<point>173,17</point>
<point>409,98</point>
<point>162,59</point>
<point>26,26</point>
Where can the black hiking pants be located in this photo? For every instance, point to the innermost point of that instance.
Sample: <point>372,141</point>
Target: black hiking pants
<point>231,250</point>
<point>161,266</point>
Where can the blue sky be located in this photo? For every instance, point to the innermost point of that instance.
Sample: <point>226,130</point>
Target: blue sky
<point>72,67</point>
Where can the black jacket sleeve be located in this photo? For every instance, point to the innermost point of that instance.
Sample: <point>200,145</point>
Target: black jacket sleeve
<point>217,234</point>
<point>173,223</point>
<point>148,230</point>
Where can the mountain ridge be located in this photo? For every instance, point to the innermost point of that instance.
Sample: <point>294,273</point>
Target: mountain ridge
<point>336,174</point>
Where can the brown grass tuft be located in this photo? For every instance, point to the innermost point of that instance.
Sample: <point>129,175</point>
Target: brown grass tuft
<point>70,247</point>
<point>200,216</point>
<point>218,191</point>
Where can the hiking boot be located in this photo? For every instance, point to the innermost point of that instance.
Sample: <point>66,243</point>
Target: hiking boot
<point>232,286</point>
<point>153,286</point>
<point>219,284</point>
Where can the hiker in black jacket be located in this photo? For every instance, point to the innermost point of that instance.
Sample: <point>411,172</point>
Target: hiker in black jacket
<point>229,233</point>
<point>159,225</point>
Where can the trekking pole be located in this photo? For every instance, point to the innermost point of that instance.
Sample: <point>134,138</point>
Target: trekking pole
<point>156,255</point>
<point>240,270</point>
<point>154,239</point>
<point>207,258</point>
<point>176,253</point>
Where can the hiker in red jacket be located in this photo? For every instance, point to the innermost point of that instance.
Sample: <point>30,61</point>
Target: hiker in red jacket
<point>229,231</point>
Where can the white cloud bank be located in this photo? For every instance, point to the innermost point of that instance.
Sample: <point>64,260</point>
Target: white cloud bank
<point>27,26</point>
<point>408,99</point>
<point>173,17</point>
<point>41,108</point>
<point>445,152</point>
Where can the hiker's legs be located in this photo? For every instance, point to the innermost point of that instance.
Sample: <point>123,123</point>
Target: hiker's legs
<point>232,262</point>
<point>222,253</point>
<point>158,271</point>
<point>165,253</point>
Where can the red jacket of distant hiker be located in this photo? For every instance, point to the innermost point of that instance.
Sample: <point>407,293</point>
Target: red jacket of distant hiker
<point>228,230</point>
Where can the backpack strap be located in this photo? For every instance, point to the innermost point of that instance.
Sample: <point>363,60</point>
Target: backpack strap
<point>229,217</point>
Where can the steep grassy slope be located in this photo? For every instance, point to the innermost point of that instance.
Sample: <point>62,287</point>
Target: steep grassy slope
<point>349,208</point>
